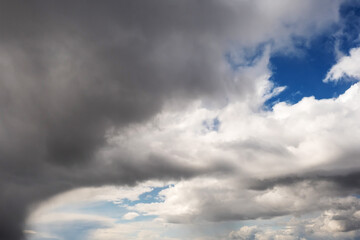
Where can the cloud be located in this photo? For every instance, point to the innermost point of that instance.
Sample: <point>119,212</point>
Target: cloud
<point>330,224</point>
<point>256,187</point>
<point>68,225</point>
<point>259,233</point>
<point>132,230</point>
<point>256,233</point>
<point>346,68</point>
<point>73,75</point>
<point>292,160</point>
<point>79,196</point>
<point>130,215</point>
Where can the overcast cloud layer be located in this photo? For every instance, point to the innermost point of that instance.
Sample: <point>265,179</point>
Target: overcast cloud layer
<point>119,92</point>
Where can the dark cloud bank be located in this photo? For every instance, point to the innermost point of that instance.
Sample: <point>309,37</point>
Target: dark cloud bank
<point>71,70</point>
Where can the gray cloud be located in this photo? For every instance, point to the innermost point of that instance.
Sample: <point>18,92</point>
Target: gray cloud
<point>344,181</point>
<point>330,224</point>
<point>70,71</point>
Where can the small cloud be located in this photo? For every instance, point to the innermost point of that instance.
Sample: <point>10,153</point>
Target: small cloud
<point>346,68</point>
<point>29,232</point>
<point>130,215</point>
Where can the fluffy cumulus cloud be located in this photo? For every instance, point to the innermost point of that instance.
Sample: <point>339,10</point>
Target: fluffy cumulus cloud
<point>346,68</point>
<point>170,94</point>
<point>331,224</point>
<point>254,232</point>
<point>294,159</point>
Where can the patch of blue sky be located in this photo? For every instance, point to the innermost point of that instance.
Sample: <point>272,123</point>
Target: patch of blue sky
<point>80,229</point>
<point>212,124</point>
<point>350,22</point>
<point>357,195</point>
<point>303,74</point>
<point>112,209</point>
<point>147,197</point>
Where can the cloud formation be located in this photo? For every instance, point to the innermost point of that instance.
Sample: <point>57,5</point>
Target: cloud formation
<point>332,224</point>
<point>121,92</point>
<point>346,68</point>
<point>311,166</point>
<point>293,160</point>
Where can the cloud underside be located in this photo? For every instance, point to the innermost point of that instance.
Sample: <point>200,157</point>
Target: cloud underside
<point>118,93</point>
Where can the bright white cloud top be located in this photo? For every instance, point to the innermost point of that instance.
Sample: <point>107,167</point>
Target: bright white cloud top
<point>347,67</point>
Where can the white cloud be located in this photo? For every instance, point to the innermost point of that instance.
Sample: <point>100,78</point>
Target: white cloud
<point>130,215</point>
<point>330,224</point>
<point>301,139</point>
<point>29,232</point>
<point>115,194</point>
<point>151,230</point>
<point>258,233</point>
<point>59,217</point>
<point>244,233</point>
<point>346,67</point>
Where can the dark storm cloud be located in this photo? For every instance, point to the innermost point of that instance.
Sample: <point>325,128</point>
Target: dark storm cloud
<point>344,181</point>
<point>71,70</point>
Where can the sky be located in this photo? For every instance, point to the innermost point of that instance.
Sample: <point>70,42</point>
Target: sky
<point>180,120</point>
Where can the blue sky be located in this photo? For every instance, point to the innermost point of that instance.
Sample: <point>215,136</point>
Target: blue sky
<point>276,161</point>
<point>303,73</point>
